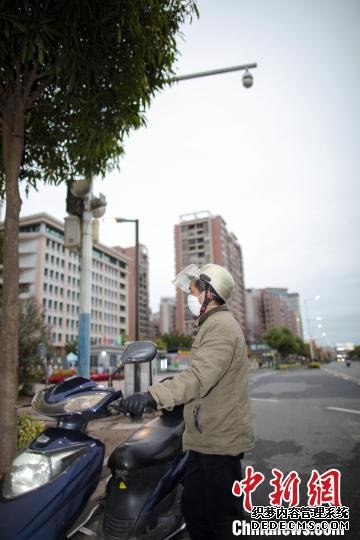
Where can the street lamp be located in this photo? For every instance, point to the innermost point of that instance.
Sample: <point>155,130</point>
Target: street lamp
<point>306,300</point>
<point>136,366</point>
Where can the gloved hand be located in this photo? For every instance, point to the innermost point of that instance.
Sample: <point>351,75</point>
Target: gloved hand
<point>136,403</point>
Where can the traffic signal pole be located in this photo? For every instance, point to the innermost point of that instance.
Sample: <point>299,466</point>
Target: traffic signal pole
<point>85,288</point>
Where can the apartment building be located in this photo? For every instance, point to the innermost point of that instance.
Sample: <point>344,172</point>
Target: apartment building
<point>51,273</point>
<point>168,315</point>
<point>271,307</point>
<point>201,238</point>
<point>144,310</point>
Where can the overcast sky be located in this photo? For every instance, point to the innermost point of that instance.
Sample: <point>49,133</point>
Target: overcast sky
<point>279,161</point>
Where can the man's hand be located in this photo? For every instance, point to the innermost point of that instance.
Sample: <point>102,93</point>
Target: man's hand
<point>138,402</point>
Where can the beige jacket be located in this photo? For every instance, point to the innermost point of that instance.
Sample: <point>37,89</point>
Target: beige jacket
<point>214,388</point>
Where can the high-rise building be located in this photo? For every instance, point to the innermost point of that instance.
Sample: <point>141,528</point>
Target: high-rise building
<point>202,238</point>
<point>144,311</point>
<point>50,273</point>
<point>168,315</point>
<point>293,301</point>
<point>271,307</point>
<point>154,325</point>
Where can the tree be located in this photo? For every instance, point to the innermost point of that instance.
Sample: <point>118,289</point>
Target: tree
<point>32,331</point>
<point>71,347</point>
<point>176,341</point>
<point>75,78</point>
<point>160,344</point>
<point>355,354</point>
<point>281,339</point>
<point>302,348</point>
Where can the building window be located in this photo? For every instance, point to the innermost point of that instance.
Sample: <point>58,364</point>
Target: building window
<point>54,232</point>
<point>30,228</point>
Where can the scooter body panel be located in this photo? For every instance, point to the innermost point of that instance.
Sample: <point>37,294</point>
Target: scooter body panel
<point>47,512</point>
<point>142,495</point>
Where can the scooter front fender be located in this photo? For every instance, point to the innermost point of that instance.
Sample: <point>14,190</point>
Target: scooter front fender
<point>47,512</point>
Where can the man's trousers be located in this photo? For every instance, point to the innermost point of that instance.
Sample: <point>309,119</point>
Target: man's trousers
<point>208,504</point>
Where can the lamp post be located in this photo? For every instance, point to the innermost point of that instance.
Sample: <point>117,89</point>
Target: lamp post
<point>306,300</point>
<point>136,366</point>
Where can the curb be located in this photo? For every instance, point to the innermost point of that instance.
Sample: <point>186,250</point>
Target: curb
<point>342,376</point>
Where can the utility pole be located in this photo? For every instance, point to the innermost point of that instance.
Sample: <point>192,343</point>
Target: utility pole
<point>82,207</point>
<point>85,287</point>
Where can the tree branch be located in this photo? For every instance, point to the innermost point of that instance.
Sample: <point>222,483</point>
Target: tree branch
<point>37,93</point>
<point>29,81</point>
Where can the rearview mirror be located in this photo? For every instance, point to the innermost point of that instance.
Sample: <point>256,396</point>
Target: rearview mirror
<point>139,352</point>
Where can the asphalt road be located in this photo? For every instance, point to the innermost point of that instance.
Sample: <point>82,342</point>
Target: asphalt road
<point>307,419</point>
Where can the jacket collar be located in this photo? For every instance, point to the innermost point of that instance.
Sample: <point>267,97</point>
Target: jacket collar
<point>208,314</point>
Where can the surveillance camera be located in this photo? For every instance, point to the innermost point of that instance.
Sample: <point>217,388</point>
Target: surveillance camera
<point>247,79</point>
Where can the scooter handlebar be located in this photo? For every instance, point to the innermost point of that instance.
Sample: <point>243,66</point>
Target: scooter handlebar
<point>116,407</point>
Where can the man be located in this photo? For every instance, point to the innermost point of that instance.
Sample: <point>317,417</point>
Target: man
<point>214,389</point>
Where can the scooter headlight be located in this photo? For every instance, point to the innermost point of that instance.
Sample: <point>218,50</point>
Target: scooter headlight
<point>87,401</point>
<point>30,470</point>
<point>71,405</point>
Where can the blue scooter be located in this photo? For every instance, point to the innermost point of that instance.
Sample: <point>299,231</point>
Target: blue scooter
<point>47,493</point>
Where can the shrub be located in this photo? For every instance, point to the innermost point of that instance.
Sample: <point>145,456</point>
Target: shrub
<point>314,364</point>
<point>27,429</point>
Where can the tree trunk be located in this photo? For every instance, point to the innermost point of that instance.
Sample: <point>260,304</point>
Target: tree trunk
<point>13,146</point>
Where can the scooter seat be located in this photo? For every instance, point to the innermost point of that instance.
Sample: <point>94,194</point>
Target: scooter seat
<point>159,440</point>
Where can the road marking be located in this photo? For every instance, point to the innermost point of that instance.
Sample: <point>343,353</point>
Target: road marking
<point>343,410</point>
<point>341,376</point>
<point>264,399</point>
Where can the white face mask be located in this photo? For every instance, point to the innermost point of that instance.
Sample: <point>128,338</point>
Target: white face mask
<point>194,304</point>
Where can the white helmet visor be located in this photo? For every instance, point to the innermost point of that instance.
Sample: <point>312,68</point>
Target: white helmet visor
<point>185,277</point>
